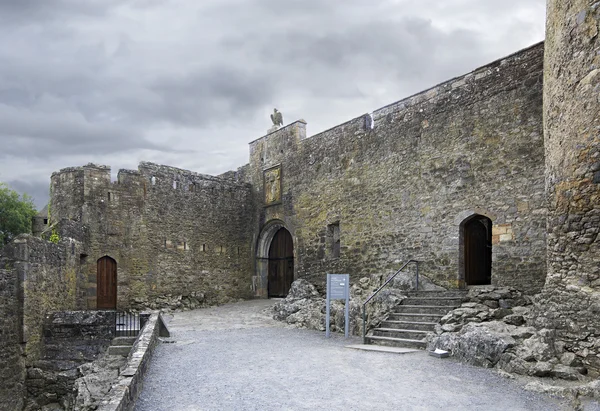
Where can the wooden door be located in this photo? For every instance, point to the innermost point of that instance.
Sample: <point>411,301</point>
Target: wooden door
<point>478,256</point>
<point>281,264</point>
<point>106,291</point>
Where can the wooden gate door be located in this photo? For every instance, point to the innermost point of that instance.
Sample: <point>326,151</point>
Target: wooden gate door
<point>281,264</point>
<point>106,291</point>
<point>478,258</point>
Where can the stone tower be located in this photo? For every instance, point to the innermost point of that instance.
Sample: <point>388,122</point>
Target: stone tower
<point>571,297</point>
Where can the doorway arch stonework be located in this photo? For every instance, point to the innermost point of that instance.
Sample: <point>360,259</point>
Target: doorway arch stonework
<point>281,264</point>
<point>466,225</point>
<point>260,281</point>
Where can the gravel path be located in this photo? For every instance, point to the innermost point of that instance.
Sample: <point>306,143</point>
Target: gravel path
<point>235,357</point>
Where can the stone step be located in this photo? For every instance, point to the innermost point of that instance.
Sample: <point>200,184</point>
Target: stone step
<point>409,325</point>
<point>418,317</point>
<point>122,350</point>
<point>123,341</point>
<point>127,332</point>
<point>396,342</point>
<point>442,301</point>
<point>398,333</point>
<point>423,309</point>
<point>427,294</point>
<point>382,348</point>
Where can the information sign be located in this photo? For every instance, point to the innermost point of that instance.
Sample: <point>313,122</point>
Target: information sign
<point>338,288</point>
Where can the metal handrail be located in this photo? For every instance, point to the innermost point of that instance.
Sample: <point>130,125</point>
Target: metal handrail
<point>364,311</point>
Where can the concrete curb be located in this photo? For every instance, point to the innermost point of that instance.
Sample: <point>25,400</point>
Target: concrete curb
<point>129,384</point>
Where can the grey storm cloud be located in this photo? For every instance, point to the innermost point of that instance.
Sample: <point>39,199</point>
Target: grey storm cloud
<point>215,94</point>
<point>192,82</point>
<point>31,11</point>
<point>36,134</point>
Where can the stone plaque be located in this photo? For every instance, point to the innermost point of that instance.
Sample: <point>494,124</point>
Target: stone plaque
<point>273,185</point>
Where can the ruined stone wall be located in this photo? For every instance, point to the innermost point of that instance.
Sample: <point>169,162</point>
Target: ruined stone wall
<point>47,273</point>
<point>400,189</point>
<point>12,364</point>
<point>570,302</point>
<point>71,339</point>
<point>36,277</point>
<point>180,239</point>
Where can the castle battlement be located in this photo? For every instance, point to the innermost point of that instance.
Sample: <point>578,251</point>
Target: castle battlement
<point>507,73</point>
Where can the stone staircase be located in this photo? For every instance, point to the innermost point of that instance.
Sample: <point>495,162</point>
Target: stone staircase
<point>408,325</point>
<point>121,346</point>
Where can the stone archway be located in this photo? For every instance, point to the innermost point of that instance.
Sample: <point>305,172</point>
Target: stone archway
<point>475,250</point>
<point>265,239</point>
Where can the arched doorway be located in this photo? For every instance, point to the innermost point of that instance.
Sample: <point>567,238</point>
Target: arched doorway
<point>106,284</point>
<point>476,239</point>
<point>281,264</point>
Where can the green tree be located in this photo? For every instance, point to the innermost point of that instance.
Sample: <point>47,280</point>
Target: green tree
<point>16,213</point>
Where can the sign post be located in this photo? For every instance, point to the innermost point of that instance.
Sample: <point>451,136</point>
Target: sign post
<point>338,288</point>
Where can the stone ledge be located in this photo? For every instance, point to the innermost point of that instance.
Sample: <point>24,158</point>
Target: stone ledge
<point>126,389</point>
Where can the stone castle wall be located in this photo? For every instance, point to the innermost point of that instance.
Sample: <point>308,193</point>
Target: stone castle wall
<point>400,188</point>
<point>179,238</point>
<point>47,274</point>
<point>397,184</point>
<point>570,302</point>
<point>37,277</point>
<point>12,364</point>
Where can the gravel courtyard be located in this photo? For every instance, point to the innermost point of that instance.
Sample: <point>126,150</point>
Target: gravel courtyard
<point>235,357</point>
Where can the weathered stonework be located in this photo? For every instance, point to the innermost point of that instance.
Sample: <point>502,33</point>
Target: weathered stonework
<point>71,339</point>
<point>180,239</point>
<point>36,277</point>
<point>305,307</point>
<point>570,301</point>
<point>12,363</point>
<point>401,188</point>
<point>125,390</point>
<point>47,273</point>
<point>361,198</point>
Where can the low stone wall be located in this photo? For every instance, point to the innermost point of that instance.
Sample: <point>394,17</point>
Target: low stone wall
<point>71,339</point>
<point>127,388</point>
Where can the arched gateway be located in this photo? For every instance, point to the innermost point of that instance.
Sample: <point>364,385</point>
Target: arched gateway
<point>275,261</point>
<point>281,264</point>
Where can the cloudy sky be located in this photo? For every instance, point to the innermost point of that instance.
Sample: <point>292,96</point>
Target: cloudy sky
<point>190,83</point>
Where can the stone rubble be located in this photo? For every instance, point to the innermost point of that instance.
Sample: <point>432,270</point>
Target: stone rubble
<point>492,330</point>
<point>96,381</point>
<point>172,302</point>
<point>575,393</point>
<point>304,306</point>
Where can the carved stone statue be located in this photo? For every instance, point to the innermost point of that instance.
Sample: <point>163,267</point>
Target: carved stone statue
<point>277,118</point>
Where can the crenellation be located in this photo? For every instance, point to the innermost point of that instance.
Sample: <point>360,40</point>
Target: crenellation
<point>151,221</point>
<point>445,150</point>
